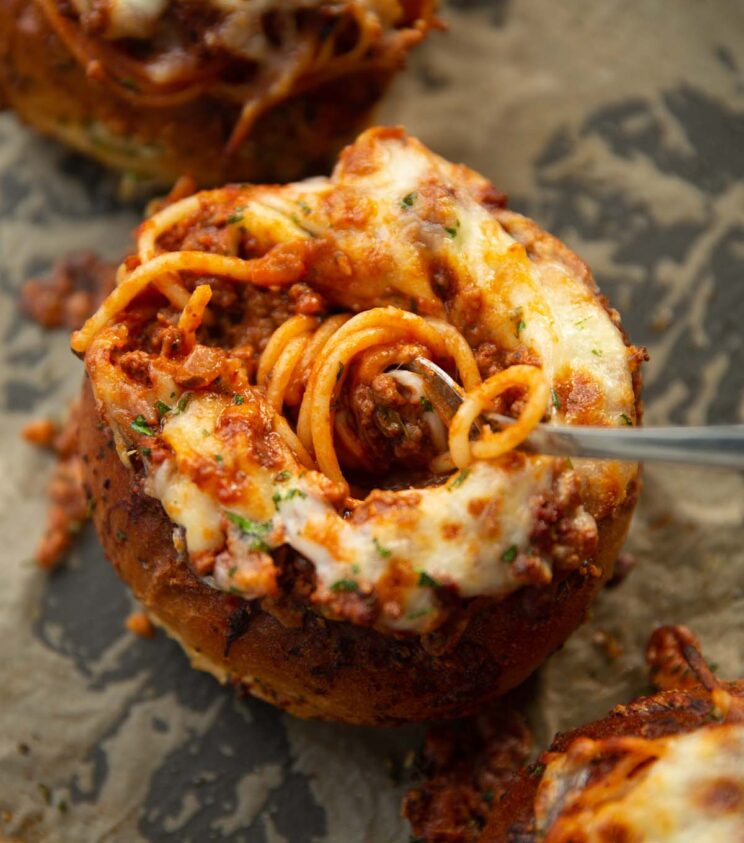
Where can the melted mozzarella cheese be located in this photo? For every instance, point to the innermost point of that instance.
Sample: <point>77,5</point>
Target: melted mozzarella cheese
<point>693,793</point>
<point>457,533</point>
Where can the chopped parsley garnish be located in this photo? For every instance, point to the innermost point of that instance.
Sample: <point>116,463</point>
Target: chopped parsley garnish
<point>597,352</point>
<point>238,399</point>
<point>141,426</point>
<point>255,530</point>
<point>282,476</point>
<point>146,452</point>
<point>626,420</point>
<point>278,497</point>
<point>460,479</point>
<point>537,770</point>
<point>555,399</point>
<point>219,458</point>
<point>521,325</point>
<point>510,554</point>
<point>453,231</point>
<point>304,206</point>
<point>233,570</point>
<point>236,216</point>
<point>339,372</point>
<point>427,581</point>
<point>409,199</point>
<point>426,405</point>
<point>121,536</point>
<point>162,408</point>
<point>582,322</point>
<point>345,585</point>
<point>183,402</point>
<point>383,551</point>
<point>419,613</point>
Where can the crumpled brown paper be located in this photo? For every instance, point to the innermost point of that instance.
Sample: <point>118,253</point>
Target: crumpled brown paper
<point>619,128</point>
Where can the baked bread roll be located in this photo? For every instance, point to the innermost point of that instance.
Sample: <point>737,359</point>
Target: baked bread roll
<point>221,90</point>
<point>291,501</point>
<point>666,768</point>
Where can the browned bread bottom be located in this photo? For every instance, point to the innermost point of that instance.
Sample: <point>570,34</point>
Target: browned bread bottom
<point>321,668</point>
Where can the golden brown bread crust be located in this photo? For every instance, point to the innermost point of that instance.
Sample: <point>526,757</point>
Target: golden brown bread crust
<point>660,715</point>
<point>50,90</point>
<point>333,670</point>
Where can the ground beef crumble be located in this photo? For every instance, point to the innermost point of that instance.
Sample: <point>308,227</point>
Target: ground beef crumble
<point>69,507</point>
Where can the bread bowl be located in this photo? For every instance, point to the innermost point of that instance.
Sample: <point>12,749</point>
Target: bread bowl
<point>220,90</point>
<point>666,768</point>
<point>284,496</point>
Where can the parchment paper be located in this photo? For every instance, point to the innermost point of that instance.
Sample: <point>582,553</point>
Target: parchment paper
<point>620,127</point>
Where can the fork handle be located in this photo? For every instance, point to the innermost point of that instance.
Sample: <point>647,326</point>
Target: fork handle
<point>714,445</point>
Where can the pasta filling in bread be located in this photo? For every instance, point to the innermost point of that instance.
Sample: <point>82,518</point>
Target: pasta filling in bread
<point>253,365</point>
<point>678,789</point>
<point>255,53</point>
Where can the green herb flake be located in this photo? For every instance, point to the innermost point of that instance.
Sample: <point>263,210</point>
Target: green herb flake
<point>161,408</point>
<point>355,568</point>
<point>232,571</point>
<point>282,476</point>
<point>304,207</point>
<point>521,325</point>
<point>383,551</point>
<point>626,420</point>
<point>426,405</point>
<point>45,792</point>
<point>537,770</point>
<point>238,399</point>
<point>121,536</point>
<point>409,199</point>
<point>140,425</point>
<point>597,352</point>
<point>580,324</point>
<point>426,580</point>
<point>345,585</point>
<point>183,403</point>
<point>339,372</point>
<point>235,217</point>
<point>146,452</point>
<point>452,231</point>
<point>255,530</point>
<point>219,458</point>
<point>277,497</point>
<point>419,613</point>
<point>555,399</point>
<point>510,554</point>
<point>460,479</point>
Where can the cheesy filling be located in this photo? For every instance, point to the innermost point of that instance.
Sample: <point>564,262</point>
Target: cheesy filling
<point>692,791</point>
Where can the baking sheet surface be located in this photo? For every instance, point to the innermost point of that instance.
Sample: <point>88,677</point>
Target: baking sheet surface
<point>619,127</point>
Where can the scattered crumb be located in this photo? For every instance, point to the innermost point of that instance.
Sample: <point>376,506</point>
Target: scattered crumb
<point>140,624</point>
<point>69,507</point>
<point>608,643</point>
<point>76,287</point>
<point>624,565</point>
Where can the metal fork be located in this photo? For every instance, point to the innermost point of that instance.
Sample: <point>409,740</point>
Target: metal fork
<point>712,445</point>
